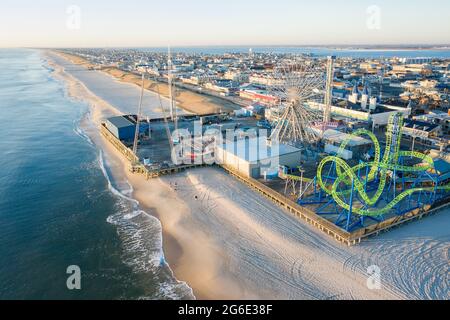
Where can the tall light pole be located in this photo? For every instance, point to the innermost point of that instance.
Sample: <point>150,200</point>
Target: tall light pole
<point>138,117</point>
<point>329,90</point>
<point>169,77</point>
<point>414,137</point>
<point>302,172</point>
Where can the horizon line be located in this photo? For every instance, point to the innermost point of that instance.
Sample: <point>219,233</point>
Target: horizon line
<point>356,46</point>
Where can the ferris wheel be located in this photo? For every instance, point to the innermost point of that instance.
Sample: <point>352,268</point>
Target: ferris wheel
<point>295,84</point>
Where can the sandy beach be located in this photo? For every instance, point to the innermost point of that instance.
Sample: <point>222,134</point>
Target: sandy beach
<point>228,242</point>
<point>186,100</point>
<point>157,198</point>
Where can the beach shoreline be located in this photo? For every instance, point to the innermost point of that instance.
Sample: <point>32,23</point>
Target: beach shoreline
<point>231,243</point>
<point>187,100</point>
<point>193,253</point>
<point>187,265</point>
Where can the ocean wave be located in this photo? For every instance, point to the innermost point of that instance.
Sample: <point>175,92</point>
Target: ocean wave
<point>79,132</point>
<point>46,65</point>
<point>116,192</point>
<point>141,236</point>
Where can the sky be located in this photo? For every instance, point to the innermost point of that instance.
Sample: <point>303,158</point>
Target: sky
<point>151,23</point>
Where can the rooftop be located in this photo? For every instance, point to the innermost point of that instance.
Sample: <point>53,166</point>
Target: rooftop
<point>442,166</point>
<point>420,125</point>
<point>339,137</point>
<point>257,149</point>
<point>120,122</point>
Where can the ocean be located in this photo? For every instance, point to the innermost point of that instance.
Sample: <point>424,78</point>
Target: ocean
<point>59,206</point>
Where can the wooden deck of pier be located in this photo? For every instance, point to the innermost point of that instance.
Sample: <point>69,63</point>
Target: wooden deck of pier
<point>348,238</point>
<point>152,174</point>
<point>118,145</point>
<point>135,165</point>
<point>298,211</point>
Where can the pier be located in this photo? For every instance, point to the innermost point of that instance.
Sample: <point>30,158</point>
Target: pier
<point>298,211</point>
<point>135,165</point>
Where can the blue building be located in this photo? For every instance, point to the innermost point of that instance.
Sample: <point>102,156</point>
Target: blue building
<point>442,169</point>
<point>121,127</point>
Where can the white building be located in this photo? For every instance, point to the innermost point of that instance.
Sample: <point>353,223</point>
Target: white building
<point>264,79</point>
<point>356,145</point>
<point>236,76</point>
<point>419,60</point>
<point>253,157</point>
<point>378,118</point>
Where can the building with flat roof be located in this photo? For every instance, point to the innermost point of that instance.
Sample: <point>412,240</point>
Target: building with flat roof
<point>420,129</point>
<point>122,127</point>
<point>355,145</point>
<point>436,117</point>
<point>442,168</point>
<point>258,95</point>
<point>378,117</point>
<point>254,156</point>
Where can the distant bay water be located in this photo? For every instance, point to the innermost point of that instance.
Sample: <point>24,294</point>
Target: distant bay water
<point>316,51</point>
<point>58,205</point>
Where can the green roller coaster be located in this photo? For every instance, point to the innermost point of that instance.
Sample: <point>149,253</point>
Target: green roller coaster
<point>374,189</point>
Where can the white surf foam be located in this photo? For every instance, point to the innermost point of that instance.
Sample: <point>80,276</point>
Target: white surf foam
<point>141,235</point>
<point>77,130</point>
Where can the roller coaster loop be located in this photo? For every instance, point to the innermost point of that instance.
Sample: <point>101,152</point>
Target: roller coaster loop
<point>381,169</point>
